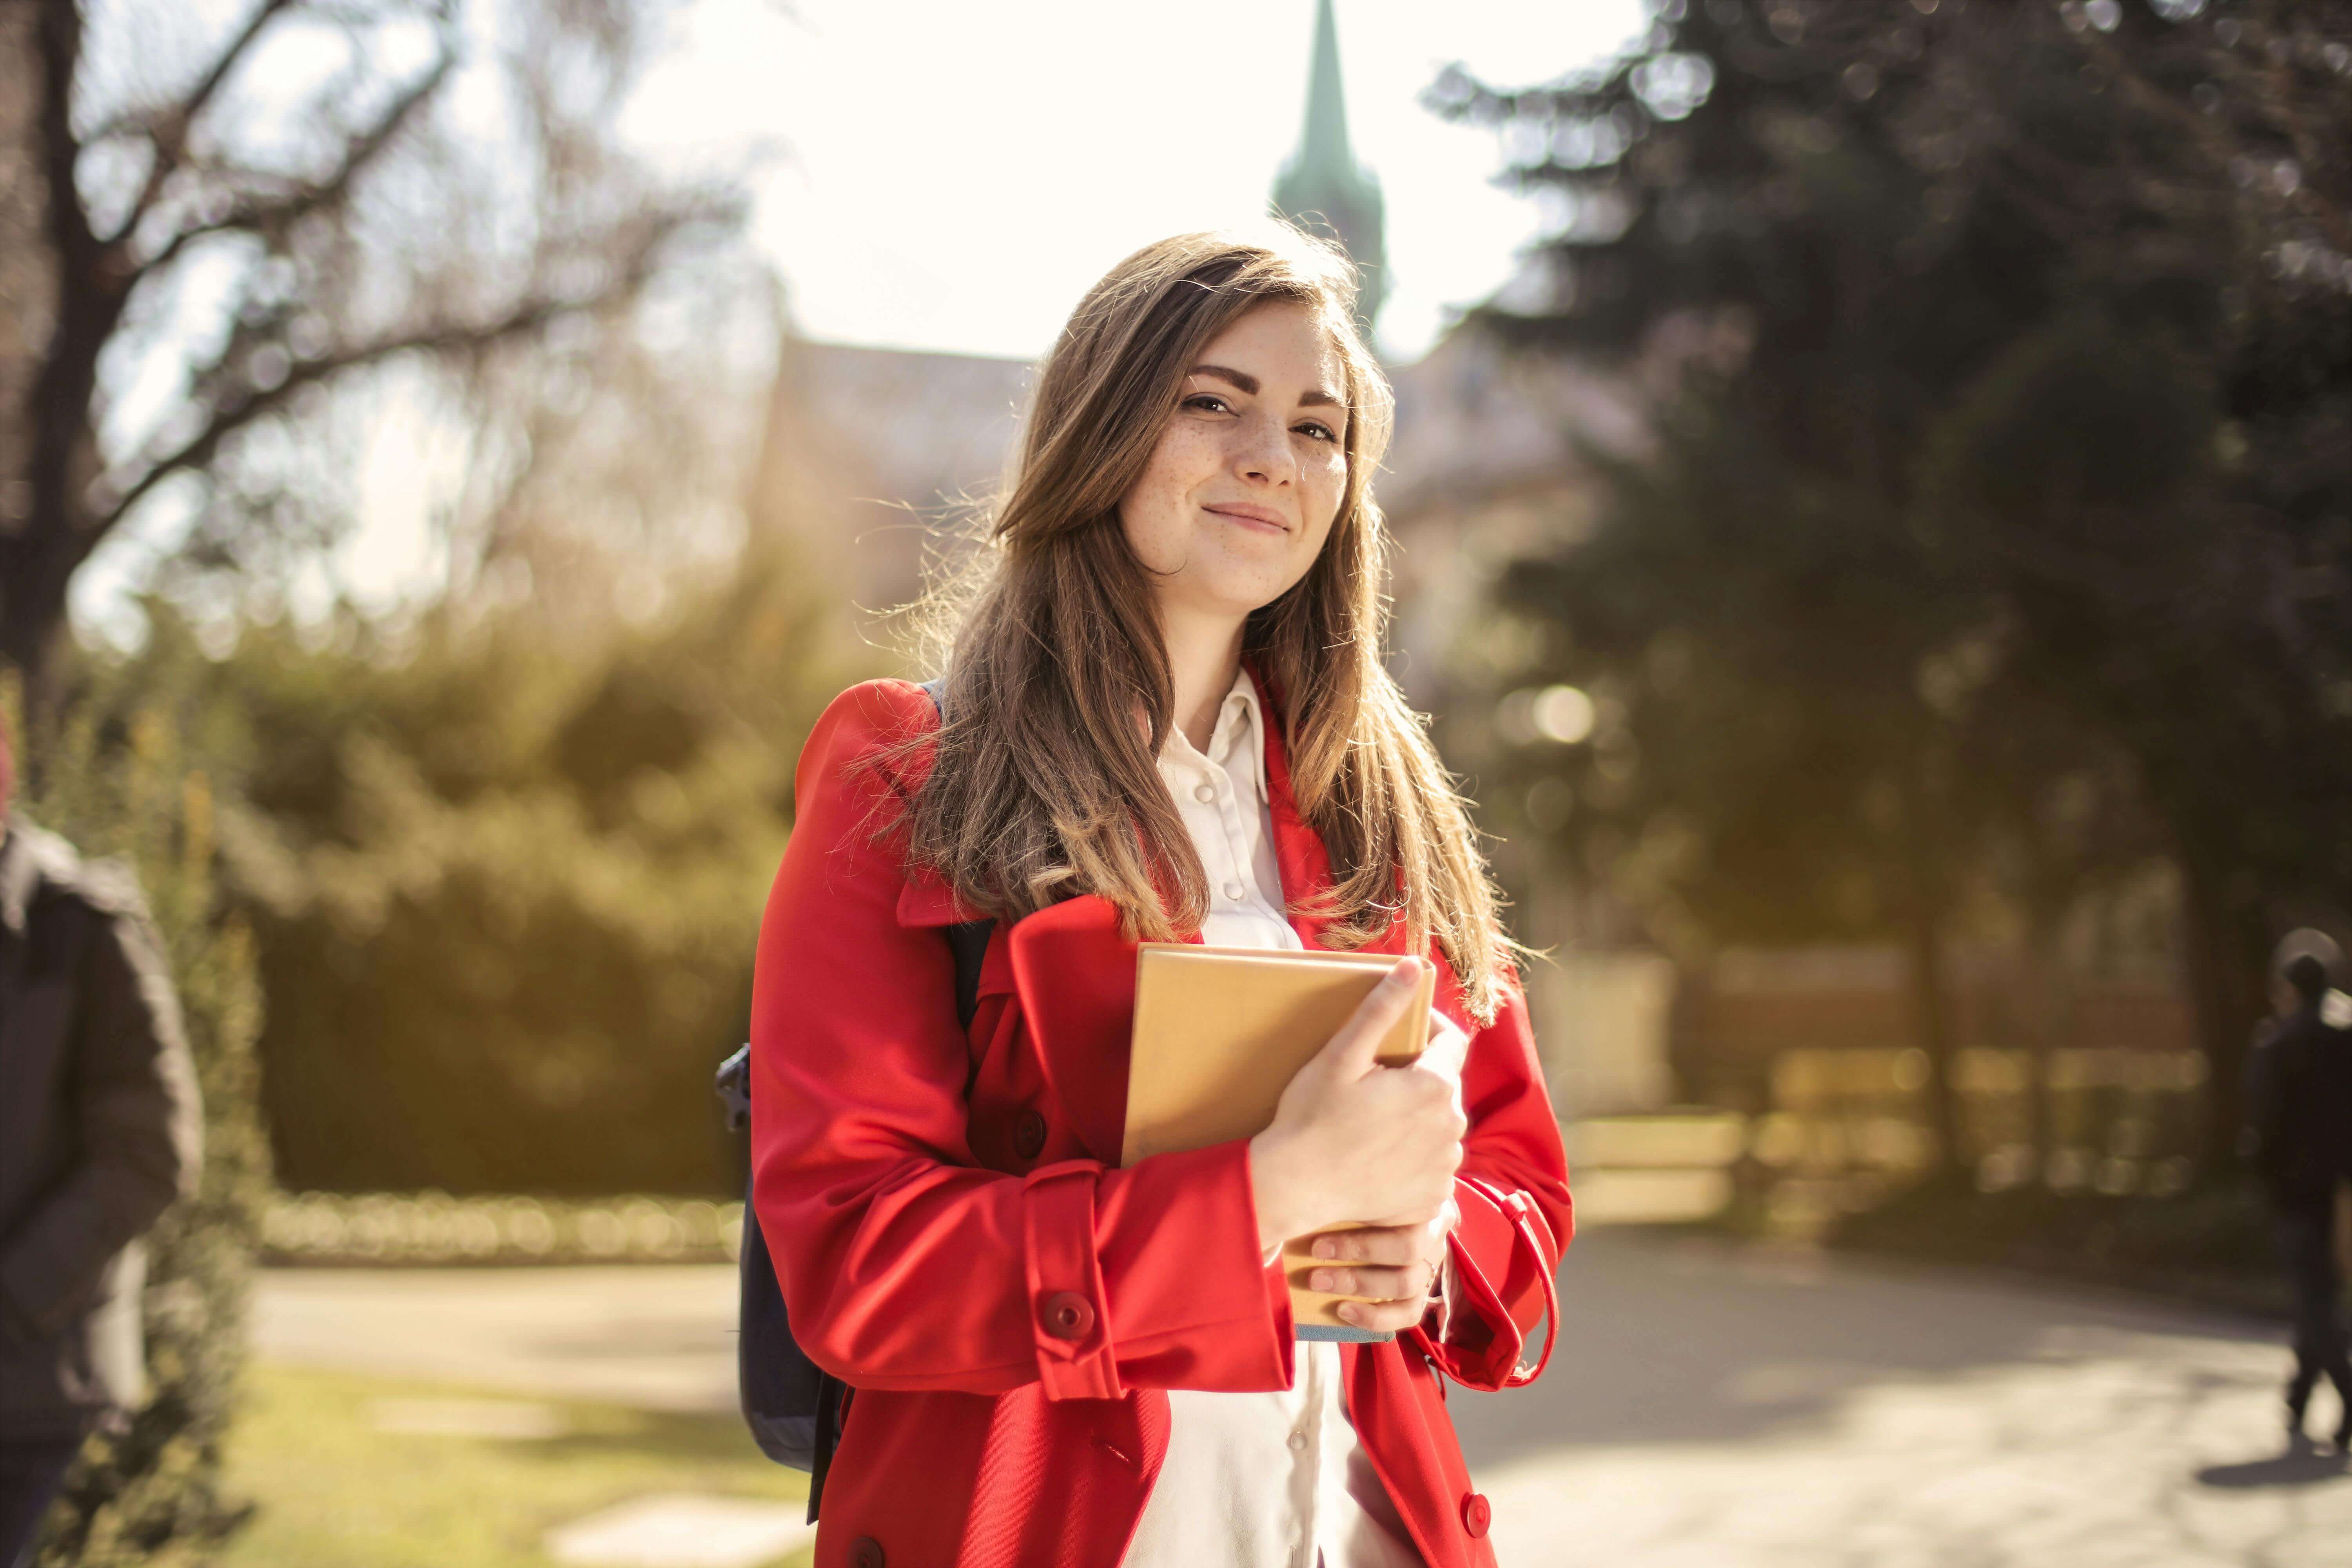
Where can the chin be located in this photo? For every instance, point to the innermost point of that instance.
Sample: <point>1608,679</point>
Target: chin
<point>1247,579</point>
<point>1239,594</point>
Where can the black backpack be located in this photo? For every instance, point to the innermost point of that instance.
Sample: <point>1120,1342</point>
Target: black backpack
<point>795,1410</point>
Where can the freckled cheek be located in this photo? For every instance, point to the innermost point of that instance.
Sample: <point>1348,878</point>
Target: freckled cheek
<point>1188,454</point>
<point>1158,511</point>
<point>1325,489</point>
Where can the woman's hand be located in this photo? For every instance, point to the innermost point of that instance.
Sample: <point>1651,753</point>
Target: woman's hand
<point>1396,1266</point>
<point>1446,1052</point>
<point>1393,1267</point>
<point>1355,1141</point>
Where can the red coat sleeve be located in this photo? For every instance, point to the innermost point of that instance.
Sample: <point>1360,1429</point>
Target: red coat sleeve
<point>904,1263</point>
<point>1512,1191</point>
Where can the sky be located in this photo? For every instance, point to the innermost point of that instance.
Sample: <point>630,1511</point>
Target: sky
<point>950,176</point>
<point>953,175</point>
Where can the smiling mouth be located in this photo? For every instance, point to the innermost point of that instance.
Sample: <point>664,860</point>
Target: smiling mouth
<point>1256,516</point>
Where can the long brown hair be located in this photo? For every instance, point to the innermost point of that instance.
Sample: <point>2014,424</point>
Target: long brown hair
<point>1044,784</point>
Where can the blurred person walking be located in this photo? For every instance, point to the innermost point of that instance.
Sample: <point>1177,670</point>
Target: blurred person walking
<point>100,1129</point>
<point>2299,1100</point>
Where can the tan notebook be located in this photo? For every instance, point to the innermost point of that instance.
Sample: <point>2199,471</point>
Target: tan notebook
<point>1219,1032</point>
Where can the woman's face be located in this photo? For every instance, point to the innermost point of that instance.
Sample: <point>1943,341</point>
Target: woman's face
<point>1243,485</point>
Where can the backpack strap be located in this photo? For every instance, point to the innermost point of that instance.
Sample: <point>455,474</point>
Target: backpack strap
<point>969,942</point>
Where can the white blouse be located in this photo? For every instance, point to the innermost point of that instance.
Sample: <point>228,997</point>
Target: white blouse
<point>1252,1480</point>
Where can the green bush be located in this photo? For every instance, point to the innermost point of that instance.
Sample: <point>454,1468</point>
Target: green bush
<point>121,780</point>
<point>507,888</point>
<point>435,1230</point>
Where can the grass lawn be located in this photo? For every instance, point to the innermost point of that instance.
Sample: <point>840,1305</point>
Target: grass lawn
<point>332,1487</point>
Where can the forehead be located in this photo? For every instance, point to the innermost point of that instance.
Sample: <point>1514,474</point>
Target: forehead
<point>1281,342</point>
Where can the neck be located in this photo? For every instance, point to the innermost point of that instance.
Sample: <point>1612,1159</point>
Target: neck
<point>1204,654</point>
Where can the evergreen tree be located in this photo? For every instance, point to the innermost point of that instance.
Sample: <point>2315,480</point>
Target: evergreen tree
<point>2005,351</point>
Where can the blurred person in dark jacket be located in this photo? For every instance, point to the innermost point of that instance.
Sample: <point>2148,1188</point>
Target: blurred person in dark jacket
<point>2299,1103</point>
<point>100,1129</point>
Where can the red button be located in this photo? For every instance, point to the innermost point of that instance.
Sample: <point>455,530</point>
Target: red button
<point>1068,1315</point>
<point>1475,1514</point>
<point>865,1553</point>
<point>1029,1134</point>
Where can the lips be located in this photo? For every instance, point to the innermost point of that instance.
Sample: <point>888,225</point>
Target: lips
<point>1250,513</point>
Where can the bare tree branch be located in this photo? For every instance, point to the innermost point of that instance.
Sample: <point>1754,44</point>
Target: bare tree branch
<point>256,214</point>
<point>168,129</point>
<point>439,338</point>
<point>326,298</point>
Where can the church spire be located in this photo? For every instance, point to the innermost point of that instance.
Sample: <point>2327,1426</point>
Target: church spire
<point>1322,186</point>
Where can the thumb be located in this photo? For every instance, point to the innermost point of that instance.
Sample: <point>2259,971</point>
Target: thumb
<point>1352,1052</point>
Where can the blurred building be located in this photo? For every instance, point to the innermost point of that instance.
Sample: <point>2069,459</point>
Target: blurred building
<point>871,457</point>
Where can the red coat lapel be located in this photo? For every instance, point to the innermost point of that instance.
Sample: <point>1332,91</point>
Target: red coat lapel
<point>925,900</point>
<point>1074,972</point>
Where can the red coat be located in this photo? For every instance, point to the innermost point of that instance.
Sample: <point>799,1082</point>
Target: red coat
<point>930,1192</point>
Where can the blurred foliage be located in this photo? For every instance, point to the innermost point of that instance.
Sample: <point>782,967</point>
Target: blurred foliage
<point>505,889</point>
<point>2211,1244</point>
<point>433,1229</point>
<point>1995,538</point>
<point>125,778</point>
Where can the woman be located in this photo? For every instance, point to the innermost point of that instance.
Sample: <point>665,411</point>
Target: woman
<point>1165,719</point>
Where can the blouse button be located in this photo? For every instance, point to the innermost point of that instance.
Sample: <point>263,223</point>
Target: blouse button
<point>1067,1315</point>
<point>1476,1514</point>
<point>1204,793</point>
<point>1298,1442</point>
<point>1233,891</point>
<point>1029,1134</point>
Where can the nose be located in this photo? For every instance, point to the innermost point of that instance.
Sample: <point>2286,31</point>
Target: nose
<point>1262,451</point>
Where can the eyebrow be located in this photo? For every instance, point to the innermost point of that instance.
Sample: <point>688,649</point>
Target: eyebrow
<point>1313,397</point>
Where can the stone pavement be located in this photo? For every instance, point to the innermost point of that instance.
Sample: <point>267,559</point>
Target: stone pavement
<point>1710,1407</point>
<point>659,1336</point>
<point>1719,1407</point>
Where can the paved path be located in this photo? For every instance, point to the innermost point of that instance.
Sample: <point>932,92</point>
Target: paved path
<point>1710,1407</point>
<point>658,1335</point>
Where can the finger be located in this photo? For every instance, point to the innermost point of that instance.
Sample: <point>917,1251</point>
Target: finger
<point>1383,1317</point>
<point>1372,1284</point>
<point>1448,1049</point>
<point>1409,1219</point>
<point>1446,1074</point>
<point>1386,1244</point>
<point>1352,1051</point>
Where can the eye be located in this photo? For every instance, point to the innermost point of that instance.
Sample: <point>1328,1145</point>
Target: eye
<point>1318,429</point>
<point>1209,403</point>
